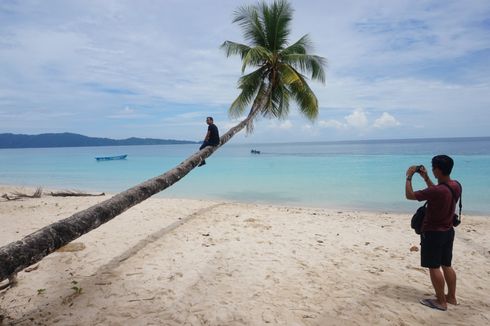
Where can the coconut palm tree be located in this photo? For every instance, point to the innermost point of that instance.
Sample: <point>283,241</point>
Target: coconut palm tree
<point>278,77</point>
<point>270,88</point>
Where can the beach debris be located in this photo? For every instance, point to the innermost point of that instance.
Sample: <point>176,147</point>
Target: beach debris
<point>205,234</point>
<point>103,283</point>
<point>144,299</point>
<point>68,300</point>
<point>70,193</point>
<point>9,198</point>
<point>40,291</point>
<point>76,288</point>
<point>414,248</point>
<point>319,241</point>
<point>16,195</point>
<point>71,247</point>
<point>367,243</point>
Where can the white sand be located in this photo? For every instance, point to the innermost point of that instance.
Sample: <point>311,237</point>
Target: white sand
<point>189,262</point>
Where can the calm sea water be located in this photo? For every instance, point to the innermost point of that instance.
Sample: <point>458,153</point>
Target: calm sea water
<point>367,175</point>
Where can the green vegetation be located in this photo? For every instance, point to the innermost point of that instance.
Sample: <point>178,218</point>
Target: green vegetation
<point>280,68</point>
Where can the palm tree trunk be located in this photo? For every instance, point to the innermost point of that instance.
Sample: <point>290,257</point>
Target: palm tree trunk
<point>18,255</point>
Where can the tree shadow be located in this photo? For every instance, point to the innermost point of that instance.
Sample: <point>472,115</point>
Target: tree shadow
<point>401,292</point>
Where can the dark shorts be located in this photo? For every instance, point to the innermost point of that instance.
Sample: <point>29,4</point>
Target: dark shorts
<point>436,248</point>
<point>206,144</point>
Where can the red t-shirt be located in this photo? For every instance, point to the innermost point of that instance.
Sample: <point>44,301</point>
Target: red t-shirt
<point>440,206</point>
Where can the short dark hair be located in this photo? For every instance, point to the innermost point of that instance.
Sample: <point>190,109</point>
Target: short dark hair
<point>210,118</point>
<point>443,163</point>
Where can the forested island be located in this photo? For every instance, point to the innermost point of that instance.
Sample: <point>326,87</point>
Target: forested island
<point>9,140</point>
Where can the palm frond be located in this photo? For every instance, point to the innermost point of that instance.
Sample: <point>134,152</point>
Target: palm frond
<point>304,97</point>
<point>301,46</point>
<point>288,74</point>
<point>233,48</point>
<point>256,56</point>
<point>312,65</point>
<point>276,20</point>
<point>239,105</point>
<point>248,19</point>
<point>249,85</point>
<point>278,106</point>
<point>261,100</point>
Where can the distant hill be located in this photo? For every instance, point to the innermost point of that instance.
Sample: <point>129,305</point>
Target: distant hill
<point>76,140</point>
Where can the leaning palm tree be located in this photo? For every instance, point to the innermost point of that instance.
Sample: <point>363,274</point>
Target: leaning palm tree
<point>278,79</point>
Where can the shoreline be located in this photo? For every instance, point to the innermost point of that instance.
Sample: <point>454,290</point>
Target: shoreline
<point>331,207</point>
<point>177,261</point>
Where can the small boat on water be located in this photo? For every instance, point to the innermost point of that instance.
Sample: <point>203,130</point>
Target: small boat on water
<point>111,158</point>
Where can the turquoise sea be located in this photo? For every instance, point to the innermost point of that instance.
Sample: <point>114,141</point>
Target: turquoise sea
<point>363,175</point>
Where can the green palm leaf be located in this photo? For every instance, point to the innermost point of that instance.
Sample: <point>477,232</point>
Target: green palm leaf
<point>232,48</point>
<point>256,56</point>
<point>276,19</point>
<point>308,63</point>
<point>305,98</point>
<point>249,86</point>
<point>248,18</point>
<point>302,46</point>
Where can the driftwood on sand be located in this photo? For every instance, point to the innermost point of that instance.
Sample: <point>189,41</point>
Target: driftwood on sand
<point>70,193</point>
<point>39,192</point>
<point>16,195</point>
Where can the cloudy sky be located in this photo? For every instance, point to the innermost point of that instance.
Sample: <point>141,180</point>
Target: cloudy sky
<point>110,68</point>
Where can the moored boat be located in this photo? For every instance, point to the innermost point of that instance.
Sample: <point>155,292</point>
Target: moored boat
<point>111,158</point>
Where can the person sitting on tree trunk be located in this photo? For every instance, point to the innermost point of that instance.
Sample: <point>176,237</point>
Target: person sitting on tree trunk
<point>212,136</point>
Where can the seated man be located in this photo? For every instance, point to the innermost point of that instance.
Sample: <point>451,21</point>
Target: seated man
<point>212,136</point>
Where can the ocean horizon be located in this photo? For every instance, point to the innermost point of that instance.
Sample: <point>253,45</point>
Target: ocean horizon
<point>354,175</point>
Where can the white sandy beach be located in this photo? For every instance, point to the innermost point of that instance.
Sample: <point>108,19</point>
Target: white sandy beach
<point>190,262</point>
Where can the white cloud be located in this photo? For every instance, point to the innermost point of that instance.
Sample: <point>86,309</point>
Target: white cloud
<point>386,120</point>
<point>357,119</point>
<point>284,125</point>
<point>331,124</point>
<point>127,113</point>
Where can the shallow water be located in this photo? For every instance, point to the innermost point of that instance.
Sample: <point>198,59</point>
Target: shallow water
<point>367,175</point>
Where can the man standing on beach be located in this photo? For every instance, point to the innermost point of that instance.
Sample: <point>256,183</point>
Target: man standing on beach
<point>212,136</point>
<point>437,234</point>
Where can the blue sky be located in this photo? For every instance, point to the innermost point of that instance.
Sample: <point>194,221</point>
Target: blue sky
<point>396,69</point>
